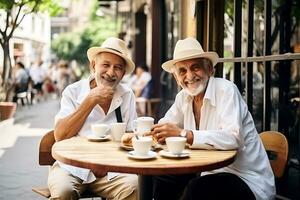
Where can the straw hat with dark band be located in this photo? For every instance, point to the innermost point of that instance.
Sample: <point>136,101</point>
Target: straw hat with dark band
<point>115,46</point>
<point>186,49</point>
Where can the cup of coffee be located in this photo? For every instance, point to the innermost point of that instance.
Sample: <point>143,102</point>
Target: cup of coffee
<point>142,145</point>
<point>117,130</point>
<point>176,144</point>
<point>99,130</point>
<point>143,125</point>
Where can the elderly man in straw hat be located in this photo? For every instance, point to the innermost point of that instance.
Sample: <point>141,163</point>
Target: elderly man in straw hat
<point>98,99</point>
<point>211,114</point>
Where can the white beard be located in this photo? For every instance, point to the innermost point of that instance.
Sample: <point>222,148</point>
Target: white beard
<point>97,78</point>
<point>194,92</point>
<point>100,81</point>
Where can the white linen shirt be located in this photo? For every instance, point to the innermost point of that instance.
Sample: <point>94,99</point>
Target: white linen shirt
<point>74,95</point>
<point>139,83</point>
<point>227,124</point>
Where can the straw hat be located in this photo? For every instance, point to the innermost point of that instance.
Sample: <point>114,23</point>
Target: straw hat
<point>186,49</point>
<point>115,46</point>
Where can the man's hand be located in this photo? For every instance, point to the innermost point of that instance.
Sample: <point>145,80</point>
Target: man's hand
<point>101,94</point>
<point>164,130</point>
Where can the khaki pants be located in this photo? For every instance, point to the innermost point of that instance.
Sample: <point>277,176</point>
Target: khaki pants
<point>65,186</point>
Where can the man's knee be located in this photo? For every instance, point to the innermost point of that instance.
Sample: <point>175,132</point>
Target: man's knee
<point>65,194</point>
<point>128,189</point>
<point>63,185</point>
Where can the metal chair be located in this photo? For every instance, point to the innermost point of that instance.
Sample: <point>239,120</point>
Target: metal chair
<point>277,149</point>
<point>45,158</point>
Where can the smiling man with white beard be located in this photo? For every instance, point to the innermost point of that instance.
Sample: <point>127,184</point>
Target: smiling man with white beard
<point>211,114</point>
<point>99,99</point>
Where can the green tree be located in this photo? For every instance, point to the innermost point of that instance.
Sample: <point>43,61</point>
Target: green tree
<point>73,45</point>
<point>279,12</point>
<point>12,13</point>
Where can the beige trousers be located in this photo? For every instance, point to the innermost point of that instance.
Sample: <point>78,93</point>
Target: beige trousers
<point>65,186</point>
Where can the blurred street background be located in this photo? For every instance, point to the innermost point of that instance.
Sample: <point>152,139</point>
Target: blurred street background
<point>19,147</point>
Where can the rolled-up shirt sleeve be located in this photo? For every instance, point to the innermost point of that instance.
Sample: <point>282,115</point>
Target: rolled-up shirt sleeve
<point>67,105</point>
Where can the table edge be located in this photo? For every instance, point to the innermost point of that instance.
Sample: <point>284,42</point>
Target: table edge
<point>146,171</point>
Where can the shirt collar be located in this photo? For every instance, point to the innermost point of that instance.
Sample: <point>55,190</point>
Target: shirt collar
<point>209,93</point>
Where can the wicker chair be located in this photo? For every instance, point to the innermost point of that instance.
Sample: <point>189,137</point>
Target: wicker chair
<point>277,149</point>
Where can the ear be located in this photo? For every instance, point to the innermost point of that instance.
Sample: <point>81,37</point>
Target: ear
<point>211,70</point>
<point>92,65</point>
<point>123,74</point>
<point>175,76</point>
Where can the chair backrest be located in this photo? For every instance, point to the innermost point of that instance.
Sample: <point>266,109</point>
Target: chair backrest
<point>46,143</point>
<point>277,149</point>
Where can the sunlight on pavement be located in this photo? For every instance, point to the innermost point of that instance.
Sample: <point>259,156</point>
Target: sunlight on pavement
<point>10,133</point>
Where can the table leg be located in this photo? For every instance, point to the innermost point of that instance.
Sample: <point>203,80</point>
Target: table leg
<point>145,187</point>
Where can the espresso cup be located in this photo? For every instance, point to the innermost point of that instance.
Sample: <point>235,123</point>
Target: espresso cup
<point>175,144</point>
<point>99,130</point>
<point>143,125</point>
<point>142,145</point>
<point>117,130</point>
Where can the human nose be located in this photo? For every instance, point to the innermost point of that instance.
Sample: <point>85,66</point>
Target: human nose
<point>110,70</point>
<point>189,74</point>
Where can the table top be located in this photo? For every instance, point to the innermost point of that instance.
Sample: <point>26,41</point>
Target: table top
<point>109,157</point>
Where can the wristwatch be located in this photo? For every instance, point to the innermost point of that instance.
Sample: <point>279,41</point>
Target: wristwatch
<point>183,133</point>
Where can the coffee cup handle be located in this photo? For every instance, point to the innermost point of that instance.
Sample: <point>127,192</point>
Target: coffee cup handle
<point>107,131</point>
<point>134,125</point>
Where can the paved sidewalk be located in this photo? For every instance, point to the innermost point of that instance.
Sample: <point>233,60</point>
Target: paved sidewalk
<point>19,143</point>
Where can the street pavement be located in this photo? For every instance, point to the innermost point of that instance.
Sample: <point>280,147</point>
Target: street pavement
<point>19,145</point>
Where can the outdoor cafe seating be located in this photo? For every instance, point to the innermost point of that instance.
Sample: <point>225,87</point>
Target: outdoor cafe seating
<point>45,158</point>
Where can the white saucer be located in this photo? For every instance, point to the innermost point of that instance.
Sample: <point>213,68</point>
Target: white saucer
<point>150,155</point>
<point>98,139</point>
<point>168,154</point>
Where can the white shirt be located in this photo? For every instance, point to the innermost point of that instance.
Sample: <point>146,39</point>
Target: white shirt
<point>21,76</point>
<point>139,83</point>
<point>37,74</point>
<point>74,95</point>
<point>227,124</point>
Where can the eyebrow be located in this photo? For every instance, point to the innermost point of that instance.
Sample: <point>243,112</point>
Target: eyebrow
<point>107,61</point>
<point>184,66</point>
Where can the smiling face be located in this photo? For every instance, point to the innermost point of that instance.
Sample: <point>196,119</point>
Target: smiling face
<point>108,68</point>
<point>193,75</point>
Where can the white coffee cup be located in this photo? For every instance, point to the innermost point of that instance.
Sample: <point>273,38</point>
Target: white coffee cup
<point>99,130</point>
<point>117,130</point>
<point>143,125</point>
<point>176,144</point>
<point>142,145</point>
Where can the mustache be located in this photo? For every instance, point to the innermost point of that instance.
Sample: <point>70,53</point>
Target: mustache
<point>109,78</point>
<point>105,77</point>
<point>195,79</point>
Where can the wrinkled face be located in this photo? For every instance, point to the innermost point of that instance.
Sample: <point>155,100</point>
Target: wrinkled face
<point>193,75</point>
<point>108,69</point>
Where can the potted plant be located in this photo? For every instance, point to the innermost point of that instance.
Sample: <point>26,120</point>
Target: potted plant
<point>7,109</point>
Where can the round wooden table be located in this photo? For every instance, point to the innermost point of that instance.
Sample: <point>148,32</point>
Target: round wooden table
<point>107,156</point>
